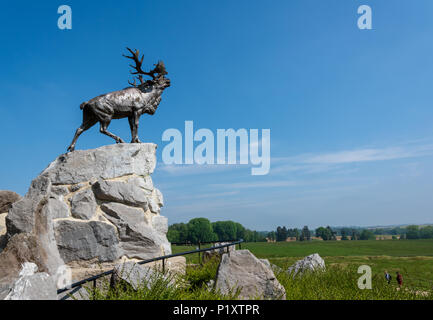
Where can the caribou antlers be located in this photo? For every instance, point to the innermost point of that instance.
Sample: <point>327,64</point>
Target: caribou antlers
<point>159,68</point>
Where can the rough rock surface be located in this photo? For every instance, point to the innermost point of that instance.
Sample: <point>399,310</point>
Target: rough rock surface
<point>3,224</point>
<point>135,275</point>
<point>33,286</point>
<point>312,262</point>
<point>83,205</point>
<point>274,267</point>
<point>7,198</point>
<point>38,246</point>
<point>85,240</point>
<point>217,253</point>
<point>241,269</point>
<point>88,206</point>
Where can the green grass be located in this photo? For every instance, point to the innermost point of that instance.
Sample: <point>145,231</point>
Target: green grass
<point>191,286</point>
<point>340,283</point>
<point>413,258</point>
<point>394,248</point>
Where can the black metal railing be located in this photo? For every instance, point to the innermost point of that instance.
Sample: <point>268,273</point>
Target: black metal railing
<point>163,258</point>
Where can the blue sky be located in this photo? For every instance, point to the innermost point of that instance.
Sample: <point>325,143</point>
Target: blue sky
<point>350,111</point>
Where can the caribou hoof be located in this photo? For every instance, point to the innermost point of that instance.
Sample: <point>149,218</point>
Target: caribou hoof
<point>136,141</point>
<point>71,148</point>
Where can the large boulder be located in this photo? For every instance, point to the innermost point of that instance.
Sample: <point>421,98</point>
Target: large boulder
<point>7,198</point>
<point>137,275</point>
<point>310,263</point>
<point>242,270</point>
<point>38,246</point>
<point>32,285</point>
<point>88,207</point>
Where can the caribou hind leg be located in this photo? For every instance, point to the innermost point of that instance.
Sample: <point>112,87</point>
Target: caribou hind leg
<point>88,122</point>
<point>103,129</point>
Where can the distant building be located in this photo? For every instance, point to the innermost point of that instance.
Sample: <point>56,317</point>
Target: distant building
<point>387,237</point>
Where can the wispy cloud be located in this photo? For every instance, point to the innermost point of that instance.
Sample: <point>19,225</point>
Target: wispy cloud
<point>363,155</point>
<point>265,184</point>
<point>206,195</point>
<point>333,161</point>
<point>195,169</point>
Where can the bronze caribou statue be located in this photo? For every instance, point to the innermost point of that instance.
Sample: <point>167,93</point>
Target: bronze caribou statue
<point>129,103</point>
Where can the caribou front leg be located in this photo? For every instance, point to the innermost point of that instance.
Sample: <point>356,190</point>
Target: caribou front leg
<point>103,130</point>
<point>133,124</point>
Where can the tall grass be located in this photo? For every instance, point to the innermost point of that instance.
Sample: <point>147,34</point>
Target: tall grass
<point>193,285</point>
<point>341,283</point>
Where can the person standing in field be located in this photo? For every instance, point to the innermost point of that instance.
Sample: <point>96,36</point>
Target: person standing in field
<point>387,277</point>
<point>399,279</point>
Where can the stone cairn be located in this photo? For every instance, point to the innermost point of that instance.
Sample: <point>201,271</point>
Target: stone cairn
<point>86,209</point>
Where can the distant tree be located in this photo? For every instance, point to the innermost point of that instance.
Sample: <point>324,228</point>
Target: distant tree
<point>225,230</point>
<point>271,235</point>
<point>426,232</point>
<point>355,234</point>
<point>331,233</point>
<point>367,235</point>
<point>305,234</point>
<point>281,233</point>
<point>412,232</point>
<point>293,233</point>
<point>240,231</point>
<point>321,233</point>
<point>200,230</point>
<point>326,233</point>
<point>177,232</point>
<point>344,234</point>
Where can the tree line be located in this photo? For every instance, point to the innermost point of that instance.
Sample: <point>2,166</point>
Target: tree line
<point>202,230</point>
<point>328,233</point>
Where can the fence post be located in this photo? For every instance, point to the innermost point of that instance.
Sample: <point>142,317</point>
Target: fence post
<point>240,245</point>
<point>94,289</point>
<point>199,253</point>
<point>163,265</point>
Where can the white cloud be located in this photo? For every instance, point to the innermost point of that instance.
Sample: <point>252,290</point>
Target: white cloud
<point>316,163</point>
<point>265,184</point>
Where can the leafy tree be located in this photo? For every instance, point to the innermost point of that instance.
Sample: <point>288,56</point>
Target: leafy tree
<point>344,234</point>
<point>412,232</point>
<point>200,230</point>
<point>272,235</point>
<point>326,233</point>
<point>225,230</point>
<point>178,232</point>
<point>355,234</point>
<point>305,234</point>
<point>293,233</point>
<point>240,231</point>
<point>281,233</point>
<point>426,232</point>
<point>367,235</point>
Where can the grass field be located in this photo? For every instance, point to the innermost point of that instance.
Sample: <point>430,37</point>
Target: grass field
<point>412,258</point>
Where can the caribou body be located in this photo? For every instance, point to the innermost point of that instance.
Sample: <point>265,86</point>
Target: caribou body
<point>129,103</point>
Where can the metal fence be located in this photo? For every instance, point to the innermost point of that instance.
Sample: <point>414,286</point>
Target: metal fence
<point>93,279</point>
